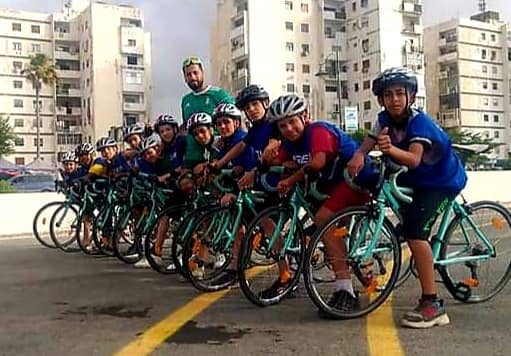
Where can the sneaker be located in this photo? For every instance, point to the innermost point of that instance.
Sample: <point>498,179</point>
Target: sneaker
<point>170,268</point>
<point>143,263</point>
<point>276,289</point>
<point>427,314</point>
<point>219,261</point>
<point>228,277</point>
<point>341,300</point>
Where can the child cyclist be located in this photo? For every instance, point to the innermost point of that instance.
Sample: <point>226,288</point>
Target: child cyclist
<point>71,171</point>
<point>412,138</point>
<point>168,128</point>
<point>85,154</point>
<point>323,148</point>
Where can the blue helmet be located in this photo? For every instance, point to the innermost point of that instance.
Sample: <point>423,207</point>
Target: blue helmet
<point>392,76</point>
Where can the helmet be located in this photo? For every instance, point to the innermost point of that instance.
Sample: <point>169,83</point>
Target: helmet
<point>191,61</point>
<point>165,119</point>
<point>395,75</point>
<point>250,93</point>
<point>135,129</point>
<point>104,142</point>
<point>228,110</point>
<point>285,106</point>
<point>149,142</point>
<point>198,119</point>
<point>84,149</point>
<point>68,157</point>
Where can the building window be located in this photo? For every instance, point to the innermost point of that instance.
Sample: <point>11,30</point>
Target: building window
<point>19,141</point>
<point>495,118</point>
<point>16,66</point>
<point>289,5</point>
<point>363,3</point>
<point>355,67</point>
<point>306,69</point>
<point>495,86</point>
<point>306,89</point>
<point>483,54</point>
<point>289,26</point>
<point>35,29</point>
<point>17,84</point>
<point>16,46</point>
<point>495,102</point>
<point>493,37</point>
<point>18,103</point>
<point>367,105</point>
<point>18,123</point>
<point>132,43</point>
<point>304,7</point>
<point>290,67</point>
<point>40,104</point>
<point>20,161</point>
<point>132,60</point>
<point>493,70</point>
<point>134,78</point>
<point>365,45</point>
<point>330,89</point>
<point>483,36</point>
<point>304,27</point>
<point>365,65</point>
<point>486,117</point>
<point>305,49</point>
<point>485,69</point>
<point>367,126</point>
<point>496,134</point>
<point>16,26</point>
<point>290,47</point>
<point>485,85</point>
<point>493,55</point>
<point>36,48</point>
<point>290,88</point>
<point>355,87</point>
<point>486,102</point>
<point>366,84</point>
<point>40,142</point>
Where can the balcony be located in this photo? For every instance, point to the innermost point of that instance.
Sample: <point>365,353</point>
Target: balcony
<point>334,15</point>
<point>237,32</point>
<point>239,79</point>
<point>334,41</point>
<point>67,55</point>
<point>411,7</point>
<point>448,57</point>
<point>67,73</point>
<point>239,52</point>
<point>69,92</point>
<point>65,36</point>
<point>414,29</point>
<point>450,119</point>
<point>70,111</point>
<point>134,107</point>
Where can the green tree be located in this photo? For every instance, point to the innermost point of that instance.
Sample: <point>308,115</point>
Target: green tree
<point>359,135</point>
<point>40,71</point>
<point>7,137</point>
<point>464,137</point>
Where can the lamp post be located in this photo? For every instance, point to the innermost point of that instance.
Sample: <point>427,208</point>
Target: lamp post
<point>336,71</point>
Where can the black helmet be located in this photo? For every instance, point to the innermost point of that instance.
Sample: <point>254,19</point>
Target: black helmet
<point>250,93</point>
<point>395,75</point>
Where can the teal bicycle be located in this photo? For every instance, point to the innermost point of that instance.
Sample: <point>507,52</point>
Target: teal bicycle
<point>471,248</point>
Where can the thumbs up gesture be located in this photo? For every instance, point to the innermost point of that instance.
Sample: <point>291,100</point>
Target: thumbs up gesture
<point>384,140</point>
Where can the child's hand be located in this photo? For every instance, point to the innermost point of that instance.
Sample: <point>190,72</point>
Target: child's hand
<point>247,180</point>
<point>384,141</point>
<point>200,168</point>
<point>285,186</point>
<point>227,199</point>
<point>355,164</point>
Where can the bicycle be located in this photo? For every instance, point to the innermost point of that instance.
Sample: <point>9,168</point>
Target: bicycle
<point>462,243</point>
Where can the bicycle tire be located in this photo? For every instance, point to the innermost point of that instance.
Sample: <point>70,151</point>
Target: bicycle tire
<point>68,242</point>
<point>43,218</point>
<point>126,242</point>
<point>104,222</point>
<point>251,270</point>
<point>364,289</point>
<point>467,289</point>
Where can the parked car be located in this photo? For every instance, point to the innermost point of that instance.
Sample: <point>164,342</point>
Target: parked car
<point>33,182</point>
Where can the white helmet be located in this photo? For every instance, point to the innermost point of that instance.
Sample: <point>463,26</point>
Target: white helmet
<point>286,106</point>
<point>149,142</point>
<point>198,119</point>
<point>68,157</point>
<point>229,110</point>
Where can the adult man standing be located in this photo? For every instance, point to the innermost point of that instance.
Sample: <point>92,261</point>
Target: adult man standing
<point>202,98</point>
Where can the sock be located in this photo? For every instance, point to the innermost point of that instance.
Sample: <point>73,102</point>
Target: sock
<point>429,297</point>
<point>343,284</point>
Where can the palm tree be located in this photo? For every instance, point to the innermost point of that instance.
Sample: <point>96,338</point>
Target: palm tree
<point>40,71</point>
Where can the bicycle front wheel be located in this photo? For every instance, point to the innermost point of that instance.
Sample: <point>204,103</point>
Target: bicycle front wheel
<point>484,274</point>
<point>373,278</point>
<point>63,225</point>
<point>41,223</point>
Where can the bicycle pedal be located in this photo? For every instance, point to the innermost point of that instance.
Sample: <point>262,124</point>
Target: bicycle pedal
<point>471,282</point>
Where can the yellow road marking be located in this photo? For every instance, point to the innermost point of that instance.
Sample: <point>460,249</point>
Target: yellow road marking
<point>158,333</point>
<point>382,334</point>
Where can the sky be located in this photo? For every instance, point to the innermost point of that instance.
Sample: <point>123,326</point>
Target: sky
<point>182,27</point>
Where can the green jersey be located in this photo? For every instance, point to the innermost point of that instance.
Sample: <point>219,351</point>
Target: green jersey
<point>205,101</point>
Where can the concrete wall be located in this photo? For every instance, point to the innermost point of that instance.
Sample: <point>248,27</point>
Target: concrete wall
<point>18,210</point>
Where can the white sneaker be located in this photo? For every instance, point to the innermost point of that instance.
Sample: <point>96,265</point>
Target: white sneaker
<point>171,267</point>
<point>198,273</point>
<point>219,261</point>
<point>143,263</point>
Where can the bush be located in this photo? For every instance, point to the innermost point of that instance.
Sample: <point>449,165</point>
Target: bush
<point>5,187</point>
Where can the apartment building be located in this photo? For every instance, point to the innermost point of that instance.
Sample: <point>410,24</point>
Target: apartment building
<point>326,50</point>
<point>468,76</point>
<point>103,59</point>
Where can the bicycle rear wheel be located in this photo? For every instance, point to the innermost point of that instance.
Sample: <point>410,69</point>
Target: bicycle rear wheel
<point>41,223</point>
<point>63,225</point>
<point>373,279</point>
<point>103,229</point>
<point>481,279</point>
<point>260,265</point>
<point>126,243</point>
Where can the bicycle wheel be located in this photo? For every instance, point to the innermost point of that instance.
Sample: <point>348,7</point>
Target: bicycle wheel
<point>480,279</point>
<point>169,220</point>
<point>261,264</point>
<point>86,244</point>
<point>207,253</point>
<point>63,224</point>
<point>41,223</point>
<point>103,228</point>
<point>126,241</point>
<point>373,279</point>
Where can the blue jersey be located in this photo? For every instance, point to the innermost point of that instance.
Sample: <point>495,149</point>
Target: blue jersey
<point>104,167</point>
<point>70,177</point>
<point>259,136</point>
<point>247,159</point>
<point>439,168</point>
<point>175,151</point>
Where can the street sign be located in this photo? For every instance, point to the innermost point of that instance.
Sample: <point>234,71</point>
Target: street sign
<point>350,119</point>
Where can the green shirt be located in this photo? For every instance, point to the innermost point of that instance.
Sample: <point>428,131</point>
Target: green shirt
<point>205,101</point>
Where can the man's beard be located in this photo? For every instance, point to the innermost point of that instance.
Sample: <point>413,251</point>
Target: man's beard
<point>195,85</point>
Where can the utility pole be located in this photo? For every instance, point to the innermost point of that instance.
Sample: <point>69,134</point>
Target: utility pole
<point>338,80</point>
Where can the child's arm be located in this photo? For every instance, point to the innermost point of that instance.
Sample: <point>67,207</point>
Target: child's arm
<point>411,158</point>
<point>233,153</point>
